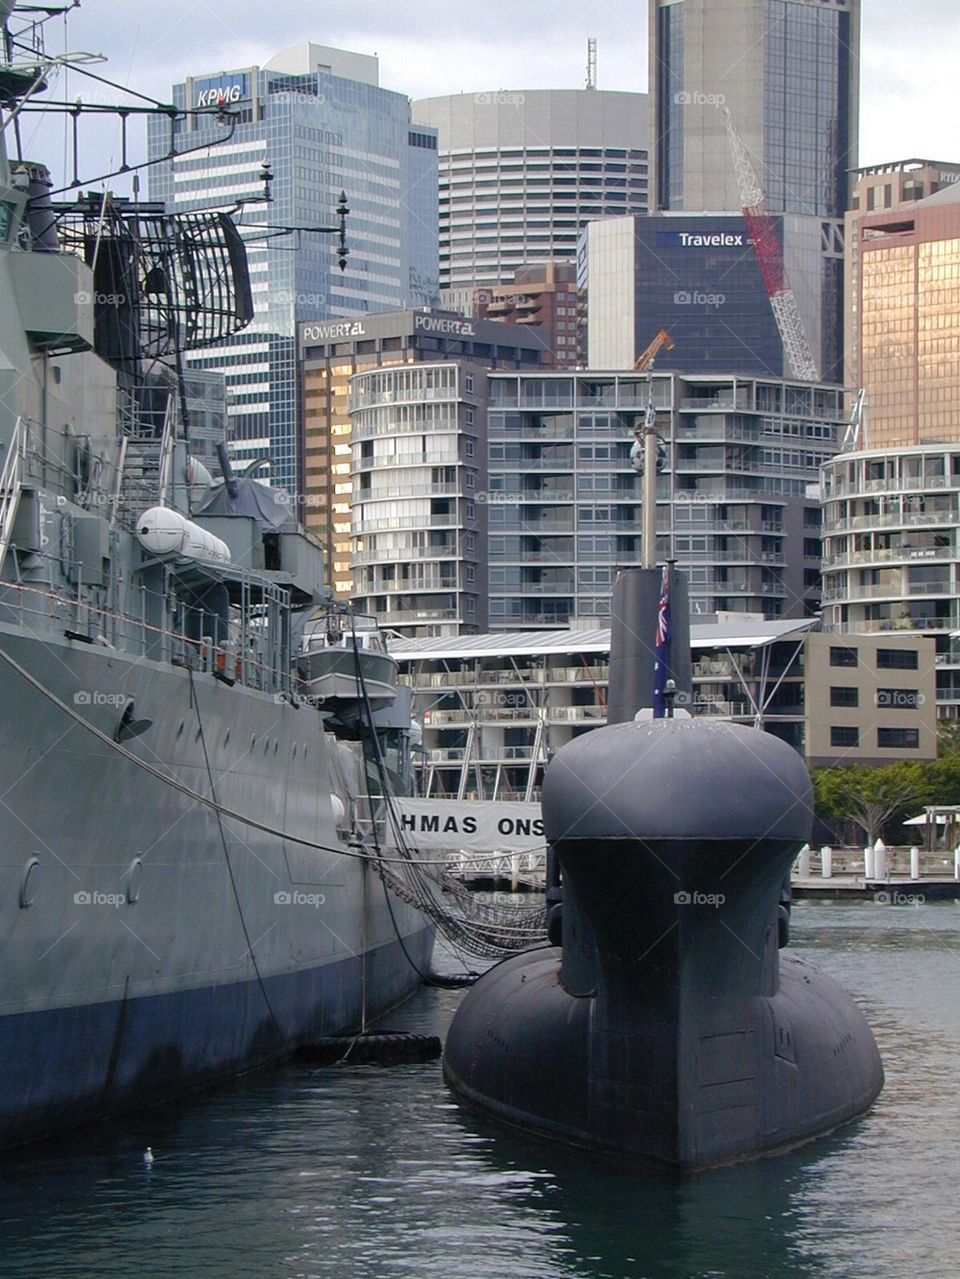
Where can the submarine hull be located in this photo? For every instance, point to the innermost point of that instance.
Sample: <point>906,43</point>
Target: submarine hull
<point>805,1062</point>
<point>667,1027</point>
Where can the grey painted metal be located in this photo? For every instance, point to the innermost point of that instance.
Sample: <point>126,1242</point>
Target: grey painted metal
<point>150,942</point>
<point>636,596</point>
<point>667,1029</point>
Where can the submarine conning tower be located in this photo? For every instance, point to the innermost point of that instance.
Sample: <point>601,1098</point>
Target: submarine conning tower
<point>668,1028</point>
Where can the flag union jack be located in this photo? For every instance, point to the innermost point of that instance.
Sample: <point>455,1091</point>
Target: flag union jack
<point>661,668</point>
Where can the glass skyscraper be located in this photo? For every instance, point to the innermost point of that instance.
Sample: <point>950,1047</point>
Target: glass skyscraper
<point>787,71</point>
<point>318,117</point>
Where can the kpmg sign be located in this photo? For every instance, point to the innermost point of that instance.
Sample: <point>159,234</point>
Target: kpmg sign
<point>439,324</point>
<point>221,91</point>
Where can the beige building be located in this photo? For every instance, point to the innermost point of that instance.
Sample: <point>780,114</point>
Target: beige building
<point>331,352</point>
<point>869,698</point>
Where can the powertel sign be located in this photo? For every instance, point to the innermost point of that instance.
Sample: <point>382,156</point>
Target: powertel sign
<point>221,91</point>
<point>332,332</point>
<point>711,240</point>
<point>479,827</point>
<point>439,324</point>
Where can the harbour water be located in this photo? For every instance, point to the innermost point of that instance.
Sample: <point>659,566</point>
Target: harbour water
<point>374,1173</point>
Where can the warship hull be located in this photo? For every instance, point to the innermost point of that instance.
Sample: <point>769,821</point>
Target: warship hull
<point>150,944</point>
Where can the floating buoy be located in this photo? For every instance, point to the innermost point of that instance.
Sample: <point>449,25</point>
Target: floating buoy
<point>384,1049</point>
<point>148,1157</point>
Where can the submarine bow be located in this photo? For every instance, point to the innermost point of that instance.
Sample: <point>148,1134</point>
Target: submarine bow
<point>668,1027</point>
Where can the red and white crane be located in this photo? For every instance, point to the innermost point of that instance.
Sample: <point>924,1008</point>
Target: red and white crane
<point>763,232</point>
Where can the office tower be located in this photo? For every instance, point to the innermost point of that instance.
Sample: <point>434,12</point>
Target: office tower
<point>698,277</point>
<point>892,504</point>
<point>521,172</point>
<point>317,116</point>
<point>787,72</point>
<point>882,189</point>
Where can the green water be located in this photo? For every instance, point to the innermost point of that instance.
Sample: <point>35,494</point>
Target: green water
<point>374,1173</point>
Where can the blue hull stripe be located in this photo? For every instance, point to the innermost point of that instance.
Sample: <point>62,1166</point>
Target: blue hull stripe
<point>65,1067</point>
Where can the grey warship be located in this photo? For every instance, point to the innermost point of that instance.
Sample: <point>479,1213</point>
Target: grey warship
<point>191,880</point>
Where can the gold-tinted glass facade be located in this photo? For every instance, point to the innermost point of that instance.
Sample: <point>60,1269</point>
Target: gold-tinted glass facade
<point>909,326</point>
<point>938,341</point>
<point>888,344</point>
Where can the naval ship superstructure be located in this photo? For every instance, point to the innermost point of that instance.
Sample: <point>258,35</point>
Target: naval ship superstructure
<point>191,883</point>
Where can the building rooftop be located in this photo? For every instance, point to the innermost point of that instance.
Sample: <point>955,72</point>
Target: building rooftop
<point>946,195</point>
<point>747,634</point>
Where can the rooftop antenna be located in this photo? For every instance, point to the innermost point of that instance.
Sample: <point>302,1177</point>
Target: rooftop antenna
<point>591,62</point>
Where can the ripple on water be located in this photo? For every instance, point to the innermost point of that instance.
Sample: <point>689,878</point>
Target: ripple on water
<point>372,1173</point>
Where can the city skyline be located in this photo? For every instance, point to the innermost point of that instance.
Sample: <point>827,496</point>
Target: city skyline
<point>902,113</point>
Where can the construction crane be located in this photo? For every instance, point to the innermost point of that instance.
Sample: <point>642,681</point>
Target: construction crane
<point>662,341</point>
<point>763,232</point>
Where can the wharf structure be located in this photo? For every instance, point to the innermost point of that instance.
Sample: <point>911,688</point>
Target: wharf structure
<point>495,707</point>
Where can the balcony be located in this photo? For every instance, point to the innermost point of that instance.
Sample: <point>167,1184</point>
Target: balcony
<point>389,491</point>
<point>905,519</point>
<point>398,555</point>
<point>891,554</point>
<point>887,590</point>
<point>896,484</point>
<point>871,626</point>
<point>417,518</point>
<point>556,619</point>
<point>577,714</point>
<point>406,617</point>
<point>534,495</point>
<point>561,463</point>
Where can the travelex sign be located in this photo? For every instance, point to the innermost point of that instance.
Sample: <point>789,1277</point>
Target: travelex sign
<point>221,91</point>
<point>687,240</point>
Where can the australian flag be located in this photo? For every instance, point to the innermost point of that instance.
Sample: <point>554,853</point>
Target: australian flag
<point>661,670</point>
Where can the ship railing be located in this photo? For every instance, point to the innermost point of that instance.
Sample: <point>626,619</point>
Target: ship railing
<point>42,610</point>
<point>10,486</point>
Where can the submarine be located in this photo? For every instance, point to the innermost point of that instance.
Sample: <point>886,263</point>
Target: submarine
<point>667,1027</point>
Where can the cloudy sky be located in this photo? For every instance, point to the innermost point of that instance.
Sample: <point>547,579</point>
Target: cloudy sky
<point>910,50</point>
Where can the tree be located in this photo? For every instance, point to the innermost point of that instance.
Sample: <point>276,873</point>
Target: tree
<point>870,797</point>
